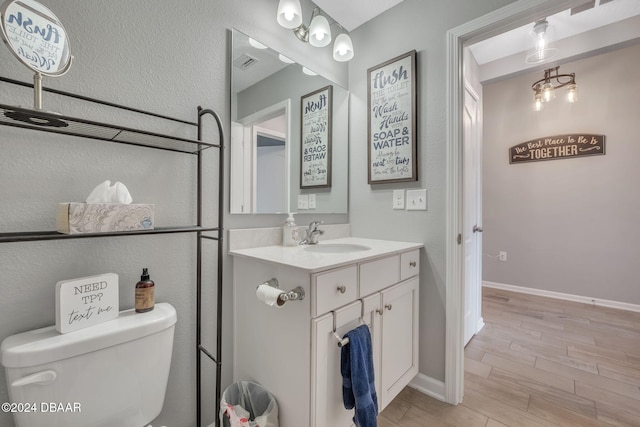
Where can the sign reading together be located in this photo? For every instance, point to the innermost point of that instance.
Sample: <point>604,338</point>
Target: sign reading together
<point>557,147</point>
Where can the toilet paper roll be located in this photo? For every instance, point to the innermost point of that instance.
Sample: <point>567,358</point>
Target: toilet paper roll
<point>268,294</point>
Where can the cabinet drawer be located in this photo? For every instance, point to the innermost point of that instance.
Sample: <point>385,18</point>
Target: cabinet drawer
<point>334,289</point>
<point>379,274</point>
<point>409,264</point>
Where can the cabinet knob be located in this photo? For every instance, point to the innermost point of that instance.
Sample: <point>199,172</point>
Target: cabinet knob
<point>412,264</point>
<point>342,289</point>
<point>388,307</point>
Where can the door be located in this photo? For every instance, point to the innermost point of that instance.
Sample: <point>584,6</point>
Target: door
<point>472,221</point>
<point>327,408</point>
<point>399,340</point>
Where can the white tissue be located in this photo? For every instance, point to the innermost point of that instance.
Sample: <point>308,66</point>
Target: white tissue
<point>268,294</point>
<point>107,193</point>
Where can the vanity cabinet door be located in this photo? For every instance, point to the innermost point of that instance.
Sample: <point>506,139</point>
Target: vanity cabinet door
<point>399,338</point>
<point>327,408</point>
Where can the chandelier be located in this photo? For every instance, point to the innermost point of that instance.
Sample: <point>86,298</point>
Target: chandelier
<point>545,88</point>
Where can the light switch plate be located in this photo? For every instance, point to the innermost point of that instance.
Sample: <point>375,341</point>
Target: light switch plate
<point>303,201</point>
<point>417,200</point>
<point>398,199</point>
<point>312,201</point>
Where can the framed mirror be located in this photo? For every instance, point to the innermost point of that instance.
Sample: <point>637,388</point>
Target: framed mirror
<point>267,126</point>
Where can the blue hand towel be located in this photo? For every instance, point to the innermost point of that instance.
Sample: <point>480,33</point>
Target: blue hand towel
<point>358,386</point>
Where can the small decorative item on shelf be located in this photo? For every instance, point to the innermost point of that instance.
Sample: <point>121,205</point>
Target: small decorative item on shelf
<point>86,301</point>
<point>108,208</point>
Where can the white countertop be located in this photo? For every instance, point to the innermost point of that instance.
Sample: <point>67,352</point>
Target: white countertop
<point>298,257</point>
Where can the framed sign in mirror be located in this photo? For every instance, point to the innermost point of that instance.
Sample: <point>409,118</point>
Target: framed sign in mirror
<point>315,138</point>
<point>391,118</point>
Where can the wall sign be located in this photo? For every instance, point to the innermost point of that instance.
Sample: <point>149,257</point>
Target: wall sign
<point>35,36</point>
<point>392,149</point>
<point>315,129</point>
<point>86,301</point>
<point>557,147</point>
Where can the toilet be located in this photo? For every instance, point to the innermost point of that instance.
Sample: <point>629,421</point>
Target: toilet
<point>111,374</point>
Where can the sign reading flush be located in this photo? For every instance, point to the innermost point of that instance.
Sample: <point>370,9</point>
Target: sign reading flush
<point>86,301</point>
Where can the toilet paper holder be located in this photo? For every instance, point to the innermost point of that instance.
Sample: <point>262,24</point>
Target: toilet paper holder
<point>295,294</point>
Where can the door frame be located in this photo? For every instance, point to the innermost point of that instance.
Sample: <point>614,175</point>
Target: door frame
<point>499,21</point>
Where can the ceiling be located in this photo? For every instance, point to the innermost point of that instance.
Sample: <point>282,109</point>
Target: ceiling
<point>602,13</point>
<point>596,14</point>
<point>353,13</point>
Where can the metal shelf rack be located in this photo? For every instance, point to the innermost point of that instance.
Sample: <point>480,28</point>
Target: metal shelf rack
<point>37,120</point>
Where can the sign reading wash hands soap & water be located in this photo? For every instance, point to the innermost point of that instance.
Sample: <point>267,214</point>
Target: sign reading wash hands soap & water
<point>86,301</point>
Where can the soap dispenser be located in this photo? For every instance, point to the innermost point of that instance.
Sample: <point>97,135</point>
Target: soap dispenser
<point>290,232</point>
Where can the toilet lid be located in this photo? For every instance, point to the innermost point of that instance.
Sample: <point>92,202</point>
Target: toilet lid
<point>46,345</point>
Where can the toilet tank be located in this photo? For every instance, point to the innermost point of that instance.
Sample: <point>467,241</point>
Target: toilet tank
<point>106,375</point>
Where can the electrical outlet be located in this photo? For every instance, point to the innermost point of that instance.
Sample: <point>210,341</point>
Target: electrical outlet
<point>303,201</point>
<point>417,200</point>
<point>312,201</point>
<point>502,256</point>
<point>398,199</point>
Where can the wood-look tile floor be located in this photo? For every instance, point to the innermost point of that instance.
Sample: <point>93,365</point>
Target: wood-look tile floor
<point>539,362</point>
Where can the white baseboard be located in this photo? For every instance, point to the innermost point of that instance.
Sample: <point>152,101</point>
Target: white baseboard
<point>429,386</point>
<point>567,297</point>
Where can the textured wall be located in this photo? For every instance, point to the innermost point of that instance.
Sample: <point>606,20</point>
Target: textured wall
<point>568,225</point>
<point>167,57</point>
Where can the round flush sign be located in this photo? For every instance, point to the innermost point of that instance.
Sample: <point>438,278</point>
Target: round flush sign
<point>35,36</point>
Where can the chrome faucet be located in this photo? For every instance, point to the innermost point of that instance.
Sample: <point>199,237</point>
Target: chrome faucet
<point>313,233</point>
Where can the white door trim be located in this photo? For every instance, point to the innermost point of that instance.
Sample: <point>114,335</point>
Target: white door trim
<point>504,19</point>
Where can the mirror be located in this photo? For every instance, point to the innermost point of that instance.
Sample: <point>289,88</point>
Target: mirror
<point>268,96</point>
<point>35,36</point>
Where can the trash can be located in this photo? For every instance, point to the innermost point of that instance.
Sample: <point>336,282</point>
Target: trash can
<point>247,404</point>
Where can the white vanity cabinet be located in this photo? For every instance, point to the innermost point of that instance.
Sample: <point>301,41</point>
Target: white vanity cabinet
<point>293,350</point>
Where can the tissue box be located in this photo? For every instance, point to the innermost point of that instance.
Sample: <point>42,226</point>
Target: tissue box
<point>77,218</point>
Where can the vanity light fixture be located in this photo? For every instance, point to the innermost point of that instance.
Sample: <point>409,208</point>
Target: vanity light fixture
<point>541,41</point>
<point>256,44</point>
<point>284,59</point>
<point>545,88</point>
<point>317,33</point>
<point>289,13</point>
<point>308,72</point>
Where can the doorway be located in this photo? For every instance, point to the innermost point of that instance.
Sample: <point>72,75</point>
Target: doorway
<point>499,21</point>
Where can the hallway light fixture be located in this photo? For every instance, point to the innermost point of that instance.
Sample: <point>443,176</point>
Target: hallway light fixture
<point>545,88</point>
<point>317,33</point>
<point>540,46</point>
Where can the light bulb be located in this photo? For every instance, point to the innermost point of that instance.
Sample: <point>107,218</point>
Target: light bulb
<point>289,13</point>
<point>343,48</point>
<point>319,32</point>
<point>572,92</point>
<point>537,102</point>
<point>548,93</point>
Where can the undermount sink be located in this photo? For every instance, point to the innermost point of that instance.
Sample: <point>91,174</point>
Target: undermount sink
<point>336,248</point>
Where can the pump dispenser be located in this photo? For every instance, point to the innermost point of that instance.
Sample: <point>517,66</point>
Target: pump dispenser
<point>145,293</point>
<point>290,232</point>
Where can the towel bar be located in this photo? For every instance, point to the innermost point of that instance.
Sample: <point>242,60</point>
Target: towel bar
<point>344,341</point>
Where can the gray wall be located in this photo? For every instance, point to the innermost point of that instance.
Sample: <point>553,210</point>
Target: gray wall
<point>167,57</point>
<point>419,25</point>
<point>568,225</point>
